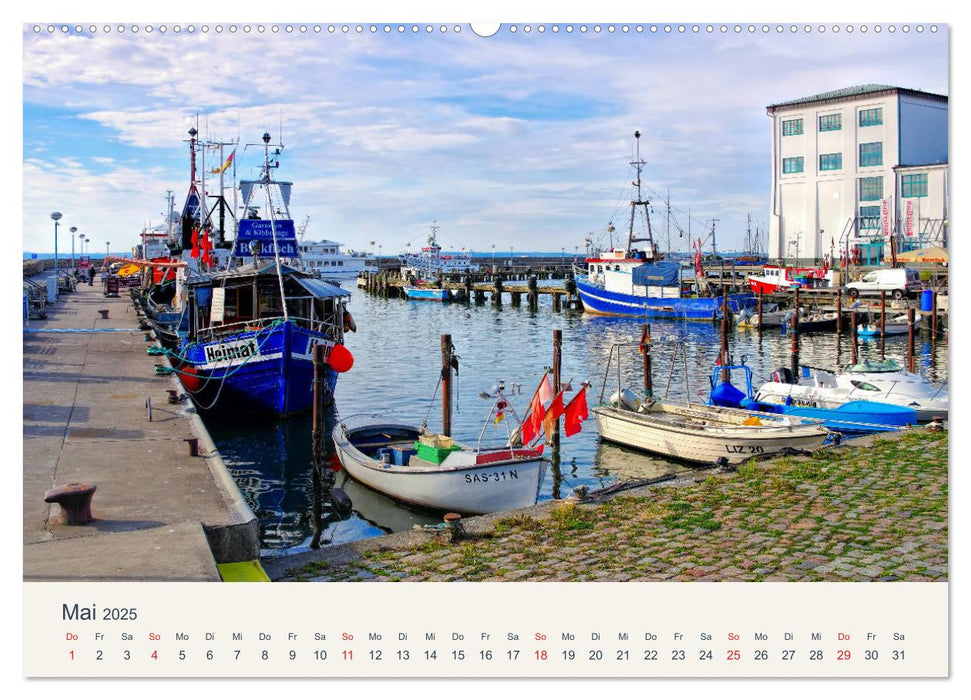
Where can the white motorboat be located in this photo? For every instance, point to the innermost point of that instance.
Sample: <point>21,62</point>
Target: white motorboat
<point>898,325</point>
<point>698,433</point>
<point>772,317</point>
<point>871,380</point>
<point>433,471</point>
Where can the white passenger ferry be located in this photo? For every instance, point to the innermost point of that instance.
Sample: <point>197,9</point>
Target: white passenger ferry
<point>325,260</point>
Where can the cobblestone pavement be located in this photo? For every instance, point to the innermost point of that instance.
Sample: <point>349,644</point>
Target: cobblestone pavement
<point>870,511</point>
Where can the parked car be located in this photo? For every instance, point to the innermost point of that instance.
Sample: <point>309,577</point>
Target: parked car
<point>898,281</point>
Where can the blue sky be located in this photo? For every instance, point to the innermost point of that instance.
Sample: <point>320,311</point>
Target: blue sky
<point>518,140</point>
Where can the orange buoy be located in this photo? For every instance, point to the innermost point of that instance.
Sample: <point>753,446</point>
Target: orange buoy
<point>340,358</point>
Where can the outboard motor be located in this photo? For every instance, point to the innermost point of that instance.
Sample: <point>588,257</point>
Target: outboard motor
<point>783,375</point>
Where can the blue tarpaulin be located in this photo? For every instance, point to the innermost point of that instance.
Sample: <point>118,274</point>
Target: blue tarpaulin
<point>659,274</point>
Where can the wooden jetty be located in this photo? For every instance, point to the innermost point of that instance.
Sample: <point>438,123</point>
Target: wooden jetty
<point>467,288</point>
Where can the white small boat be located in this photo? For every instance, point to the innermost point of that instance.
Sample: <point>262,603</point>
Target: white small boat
<point>426,293</point>
<point>698,433</point>
<point>898,325</point>
<point>772,316</point>
<point>870,380</point>
<point>433,471</point>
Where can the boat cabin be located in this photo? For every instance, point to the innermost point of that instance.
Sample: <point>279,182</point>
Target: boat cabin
<point>248,298</point>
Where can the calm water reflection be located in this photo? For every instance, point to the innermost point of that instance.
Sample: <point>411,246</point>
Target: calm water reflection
<point>397,356</point>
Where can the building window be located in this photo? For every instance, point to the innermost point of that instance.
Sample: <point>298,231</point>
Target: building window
<point>869,217</point>
<point>913,185</point>
<point>831,122</point>
<point>871,154</point>
<point>871,189</point>
<point>871,117</point>
<point>831,161</point>
<point>792,127</point>
<point>793,165</point>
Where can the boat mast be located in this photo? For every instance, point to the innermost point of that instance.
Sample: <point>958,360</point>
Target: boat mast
<point>639,201</point>
<point>269,206</point>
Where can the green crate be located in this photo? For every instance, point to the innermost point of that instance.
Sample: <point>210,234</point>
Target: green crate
<point>435,455</point>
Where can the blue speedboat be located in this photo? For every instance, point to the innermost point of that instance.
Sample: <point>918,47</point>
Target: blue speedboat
<point>851,419</point>
<point>636,282</point>
<point>426,293</point>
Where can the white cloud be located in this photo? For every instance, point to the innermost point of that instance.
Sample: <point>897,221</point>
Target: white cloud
<point>523,140</point>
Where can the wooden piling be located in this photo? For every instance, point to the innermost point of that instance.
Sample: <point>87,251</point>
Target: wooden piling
<point>853,337</point>
<point>646,352</point>
<point>724,328</point>
<point>910,340</point>
<point>497,291</point>
<point>557,366</point>
<point>883,322</point>
<point>317,433</point>
<point>839,313</point>
<point>446,384</point>
<point>515,298</point>
<point>934,314</point>
<point>556,301</point>
<point>794,337</point>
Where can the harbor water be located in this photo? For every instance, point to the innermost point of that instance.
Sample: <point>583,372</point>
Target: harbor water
<point>397,353</point>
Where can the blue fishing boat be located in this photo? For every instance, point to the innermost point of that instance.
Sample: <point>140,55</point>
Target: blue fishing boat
<point>246,351</point>
<point>853,418</point>
<point>248,333</point>
<point>637,282</point>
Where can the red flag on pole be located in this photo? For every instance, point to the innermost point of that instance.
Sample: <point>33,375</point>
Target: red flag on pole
<point>554,411</point>
<point>534,417</point>
<point>575,413</point>
<point>545,390</point>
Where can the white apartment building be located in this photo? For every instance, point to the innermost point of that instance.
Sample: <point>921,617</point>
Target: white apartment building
<point>853,170</point>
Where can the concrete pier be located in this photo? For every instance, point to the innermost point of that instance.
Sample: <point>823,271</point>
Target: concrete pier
<point>160,514</point>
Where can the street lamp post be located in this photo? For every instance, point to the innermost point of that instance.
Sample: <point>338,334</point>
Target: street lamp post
<point>56,216</point>
<point>107,250</point>
<point>74,230</point>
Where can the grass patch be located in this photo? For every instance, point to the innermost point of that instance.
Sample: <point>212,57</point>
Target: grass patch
<point>684,515</point>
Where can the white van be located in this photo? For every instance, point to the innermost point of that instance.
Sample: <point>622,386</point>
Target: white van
<point>898,281</point>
